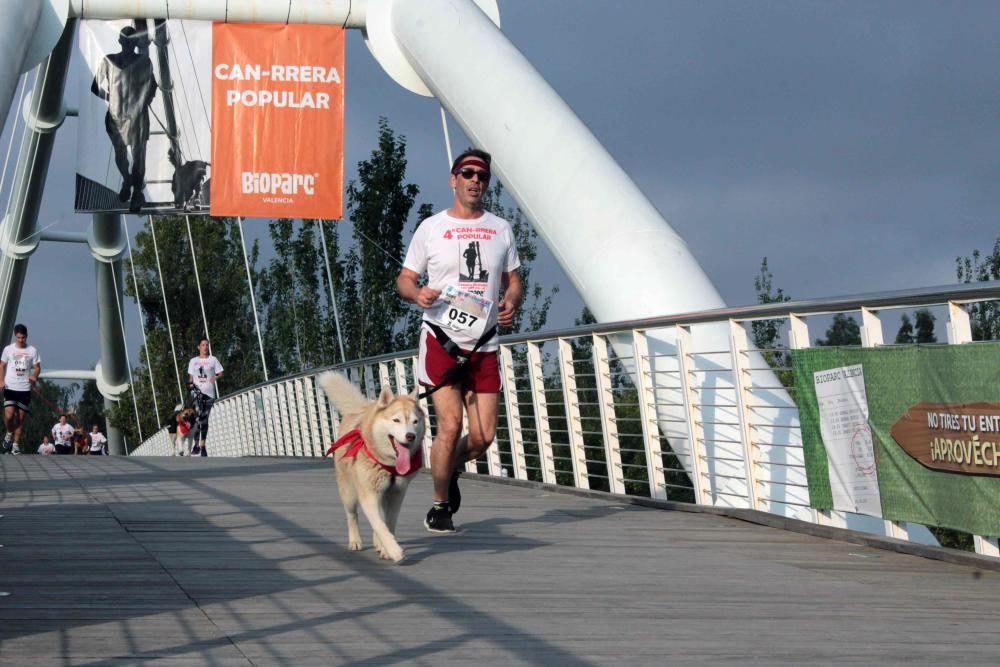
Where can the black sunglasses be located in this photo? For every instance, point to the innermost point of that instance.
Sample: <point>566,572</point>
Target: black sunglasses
<point>467,174</point>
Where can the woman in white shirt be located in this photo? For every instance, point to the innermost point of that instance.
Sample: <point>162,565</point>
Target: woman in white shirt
<point>98,443</point>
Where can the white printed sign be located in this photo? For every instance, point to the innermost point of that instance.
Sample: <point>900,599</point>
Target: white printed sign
<point>843,416</point>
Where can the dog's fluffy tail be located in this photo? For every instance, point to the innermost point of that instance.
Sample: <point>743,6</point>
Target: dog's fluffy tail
<point>347,398</point>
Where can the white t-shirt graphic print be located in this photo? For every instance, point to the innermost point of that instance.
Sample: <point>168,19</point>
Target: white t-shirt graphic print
<point>203,370</point>
<point>20,365</point>
<point>471,255</point>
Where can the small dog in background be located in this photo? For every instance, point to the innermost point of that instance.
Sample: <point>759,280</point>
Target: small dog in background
<point>185,426</point>
<point>187,181</point>
<point>376,456</point>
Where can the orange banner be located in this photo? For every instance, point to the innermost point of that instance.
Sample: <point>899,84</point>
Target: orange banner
<point>277,120</point>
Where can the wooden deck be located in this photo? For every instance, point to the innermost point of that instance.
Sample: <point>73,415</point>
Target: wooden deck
<point>116,561</point>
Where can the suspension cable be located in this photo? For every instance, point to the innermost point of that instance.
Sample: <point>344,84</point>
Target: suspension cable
<point>142,322</point>
<point>333,300</point>
<point>187,104</point>
<point>197,80</point>
<point>253,300</point>
<point>447,141</point>
<point>166,310</point>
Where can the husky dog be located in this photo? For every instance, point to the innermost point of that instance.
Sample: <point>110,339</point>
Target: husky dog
<point>187,180</point>
<point>375,459</point>
<point>185,422</point>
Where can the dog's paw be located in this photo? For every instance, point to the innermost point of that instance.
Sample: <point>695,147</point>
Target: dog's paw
<point>354,545</point>
<point>395,555</point>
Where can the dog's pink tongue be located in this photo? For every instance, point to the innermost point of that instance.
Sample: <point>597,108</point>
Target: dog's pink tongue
<point>403,462</point>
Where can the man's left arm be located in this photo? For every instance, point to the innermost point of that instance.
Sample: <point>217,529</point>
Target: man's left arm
<point>513,294</point>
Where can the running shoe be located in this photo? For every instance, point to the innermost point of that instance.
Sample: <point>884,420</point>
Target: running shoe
<point>439,520</point>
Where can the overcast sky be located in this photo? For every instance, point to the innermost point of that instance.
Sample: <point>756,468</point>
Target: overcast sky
<point>855,144</point>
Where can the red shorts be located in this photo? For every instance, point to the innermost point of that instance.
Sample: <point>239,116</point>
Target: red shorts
<point>483,374</point>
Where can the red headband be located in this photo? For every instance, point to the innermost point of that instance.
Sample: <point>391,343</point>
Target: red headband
<point>471,161</point>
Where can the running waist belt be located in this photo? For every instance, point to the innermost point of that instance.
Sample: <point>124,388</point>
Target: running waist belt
<point>458,373</point>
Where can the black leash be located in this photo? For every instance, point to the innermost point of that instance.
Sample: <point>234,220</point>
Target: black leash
<point>457,374</point>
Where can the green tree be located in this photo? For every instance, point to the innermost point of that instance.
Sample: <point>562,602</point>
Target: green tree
<point>90,409</point>
<point>925,326</point>
<point>409,329</point>
<point>219,252</point>
<point>924,331</point>
<point>378,205</point>
<point>844,330</point>
<point>984,317</point>
<point>297,324</point>
<point>767,333</point>
<point>905,334</point>
<point>49,400</point>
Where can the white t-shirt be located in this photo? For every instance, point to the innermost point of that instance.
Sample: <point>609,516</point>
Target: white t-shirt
<point>20,364</point>
<point>97,441</point>
<point>471,255</point>
<point>203,371</point>
<point>61,433</point>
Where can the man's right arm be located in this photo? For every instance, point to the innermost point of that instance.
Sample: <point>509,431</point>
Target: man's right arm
<point>408,286</point>
<point>3,374</point>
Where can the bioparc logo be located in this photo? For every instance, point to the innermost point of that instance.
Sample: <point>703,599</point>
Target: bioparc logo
<point>278,188</point>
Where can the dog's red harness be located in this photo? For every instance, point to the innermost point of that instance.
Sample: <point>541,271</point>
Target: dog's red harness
<point>355,442</point>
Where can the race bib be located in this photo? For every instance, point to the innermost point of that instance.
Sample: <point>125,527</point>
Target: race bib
<point>459,310</point>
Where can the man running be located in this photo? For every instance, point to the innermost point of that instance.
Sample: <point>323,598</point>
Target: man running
<point>62,436</point>
<point>458,340</point>
<point>125,80</point>
<point>20,366</point>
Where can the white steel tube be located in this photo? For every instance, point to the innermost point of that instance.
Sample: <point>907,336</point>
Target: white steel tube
<point>618,251</point>
<point>348,13</point>
<point>20,19</point>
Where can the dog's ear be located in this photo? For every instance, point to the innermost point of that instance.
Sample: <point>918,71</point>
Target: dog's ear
<point>415,394</point>
<point>385,398</point>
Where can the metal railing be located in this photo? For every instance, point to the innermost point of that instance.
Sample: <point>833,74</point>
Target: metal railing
<point>681,408</point>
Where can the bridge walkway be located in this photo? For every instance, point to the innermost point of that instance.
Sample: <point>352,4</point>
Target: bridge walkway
<point>123,561</point>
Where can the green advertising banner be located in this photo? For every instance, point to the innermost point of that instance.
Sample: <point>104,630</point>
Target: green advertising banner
<point>906,433</point>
